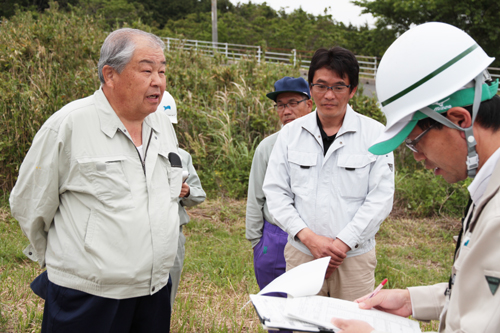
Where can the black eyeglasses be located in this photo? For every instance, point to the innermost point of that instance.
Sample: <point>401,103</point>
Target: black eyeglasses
<point>412,143</point>
<point>339,88</point>
<point>292,105</point>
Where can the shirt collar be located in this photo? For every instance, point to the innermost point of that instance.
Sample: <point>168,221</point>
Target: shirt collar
<point>480,182</point>
<point>350,123</point>
<point>110,122</point>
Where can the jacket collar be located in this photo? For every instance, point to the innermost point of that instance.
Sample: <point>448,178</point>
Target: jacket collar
<point>350,123</point>
<point>110,122</point>
<point>493,186</point>
<point>491,190</point>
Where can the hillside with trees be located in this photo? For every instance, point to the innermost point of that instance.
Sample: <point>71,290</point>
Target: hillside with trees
<point>479,18</point>
<point>49,59</point>
<point>259,24</point>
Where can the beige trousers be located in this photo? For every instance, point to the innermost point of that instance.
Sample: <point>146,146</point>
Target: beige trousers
<point>354,278</point>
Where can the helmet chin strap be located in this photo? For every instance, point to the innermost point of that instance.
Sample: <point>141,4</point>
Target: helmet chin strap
<point>472,157</point>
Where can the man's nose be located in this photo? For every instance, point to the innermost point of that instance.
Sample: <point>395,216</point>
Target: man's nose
<point>330,94</point>
<point>157,79</point>
<point>418,156</point>
<point>287,109</point>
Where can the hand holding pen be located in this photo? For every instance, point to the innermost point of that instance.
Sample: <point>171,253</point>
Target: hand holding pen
<point>380,286</point>
<point>395,301</point>
<point>375,292</point>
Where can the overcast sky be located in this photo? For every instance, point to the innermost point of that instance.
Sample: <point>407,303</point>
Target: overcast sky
<point>341,10</point>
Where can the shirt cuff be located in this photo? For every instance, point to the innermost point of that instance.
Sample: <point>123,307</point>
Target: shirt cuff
<point>427,301</point>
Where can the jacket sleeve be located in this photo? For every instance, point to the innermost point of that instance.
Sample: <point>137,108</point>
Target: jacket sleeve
<point>256,198</point>
<point>277,188</point>
<point>427,301</point>
<point>376,206</point>
<point>196,193</point>
<point>34,200</point>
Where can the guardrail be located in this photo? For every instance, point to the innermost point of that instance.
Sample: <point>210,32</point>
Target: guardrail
<point>367,65</point>
<point>494,72</point>
<point>230,51</point>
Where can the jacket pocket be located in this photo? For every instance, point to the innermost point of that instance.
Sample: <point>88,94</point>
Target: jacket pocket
<point>107,181</point>
<point>90,231</point>
<point>302,166</point>
<point>174,174</point>
<point>354,174</point>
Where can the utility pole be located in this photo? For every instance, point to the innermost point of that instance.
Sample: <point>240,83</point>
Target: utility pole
<point>214,22</point>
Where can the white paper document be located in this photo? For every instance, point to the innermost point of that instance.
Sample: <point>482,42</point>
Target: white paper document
<point>274,310</point>
<point>303,280</point>
<point>320,310</point>
<point>303,311</point>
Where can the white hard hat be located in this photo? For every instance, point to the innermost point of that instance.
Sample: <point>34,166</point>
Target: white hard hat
<point>419,71</point>
<point>168,105</point>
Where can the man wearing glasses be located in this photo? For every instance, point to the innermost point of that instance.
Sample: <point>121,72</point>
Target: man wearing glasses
<point>323,186</point>
<point>293,100</point>
<point>445,103</point>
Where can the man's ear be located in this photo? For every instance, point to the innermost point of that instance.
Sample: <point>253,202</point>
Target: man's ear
<point>351,95</point>
<point>309,104</point>
<point>459,116</point>
<point>109,75</point>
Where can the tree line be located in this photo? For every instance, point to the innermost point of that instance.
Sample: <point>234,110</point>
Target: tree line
<point>259,24</point>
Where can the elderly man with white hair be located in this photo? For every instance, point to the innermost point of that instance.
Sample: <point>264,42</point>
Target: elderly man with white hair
<point>97,197</point>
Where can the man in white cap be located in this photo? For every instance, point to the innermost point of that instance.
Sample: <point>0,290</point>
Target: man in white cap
<point>192,194</point>
<point>440,100</point>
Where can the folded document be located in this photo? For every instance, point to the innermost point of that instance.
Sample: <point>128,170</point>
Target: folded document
<point>304,312</point>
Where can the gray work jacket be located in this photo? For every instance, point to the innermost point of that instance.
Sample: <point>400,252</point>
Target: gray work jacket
<point>100,220</point>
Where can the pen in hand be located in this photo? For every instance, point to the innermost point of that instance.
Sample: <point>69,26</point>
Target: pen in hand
<point>380,286</point>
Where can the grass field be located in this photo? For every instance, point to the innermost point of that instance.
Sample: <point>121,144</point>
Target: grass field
<point>218,271</point>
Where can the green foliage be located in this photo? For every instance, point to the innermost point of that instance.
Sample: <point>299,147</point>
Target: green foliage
<point>163,11</point>
<point>259,24</point>
<point>118,12</point>
<point>479,18</point>
<point>423,194</point>
<point>367,106</point>
<point>46,61</point>
<point>223,115</point>
<point>254,24</point>
<point>115,13</point>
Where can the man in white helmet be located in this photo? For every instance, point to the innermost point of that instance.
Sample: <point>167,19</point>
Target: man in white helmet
<point>439,99</point>
<point>192,194</point>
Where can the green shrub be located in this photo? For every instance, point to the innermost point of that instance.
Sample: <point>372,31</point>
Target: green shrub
<point>421,193</point>
<point>46,61</point>
<point>223,115</point>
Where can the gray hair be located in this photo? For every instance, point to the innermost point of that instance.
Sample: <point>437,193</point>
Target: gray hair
<point>118,48</point>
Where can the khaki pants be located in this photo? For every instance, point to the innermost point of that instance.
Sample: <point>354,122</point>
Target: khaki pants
<point>354,278</point>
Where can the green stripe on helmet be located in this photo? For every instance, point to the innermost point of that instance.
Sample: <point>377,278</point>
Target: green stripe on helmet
<point>430,76</point>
